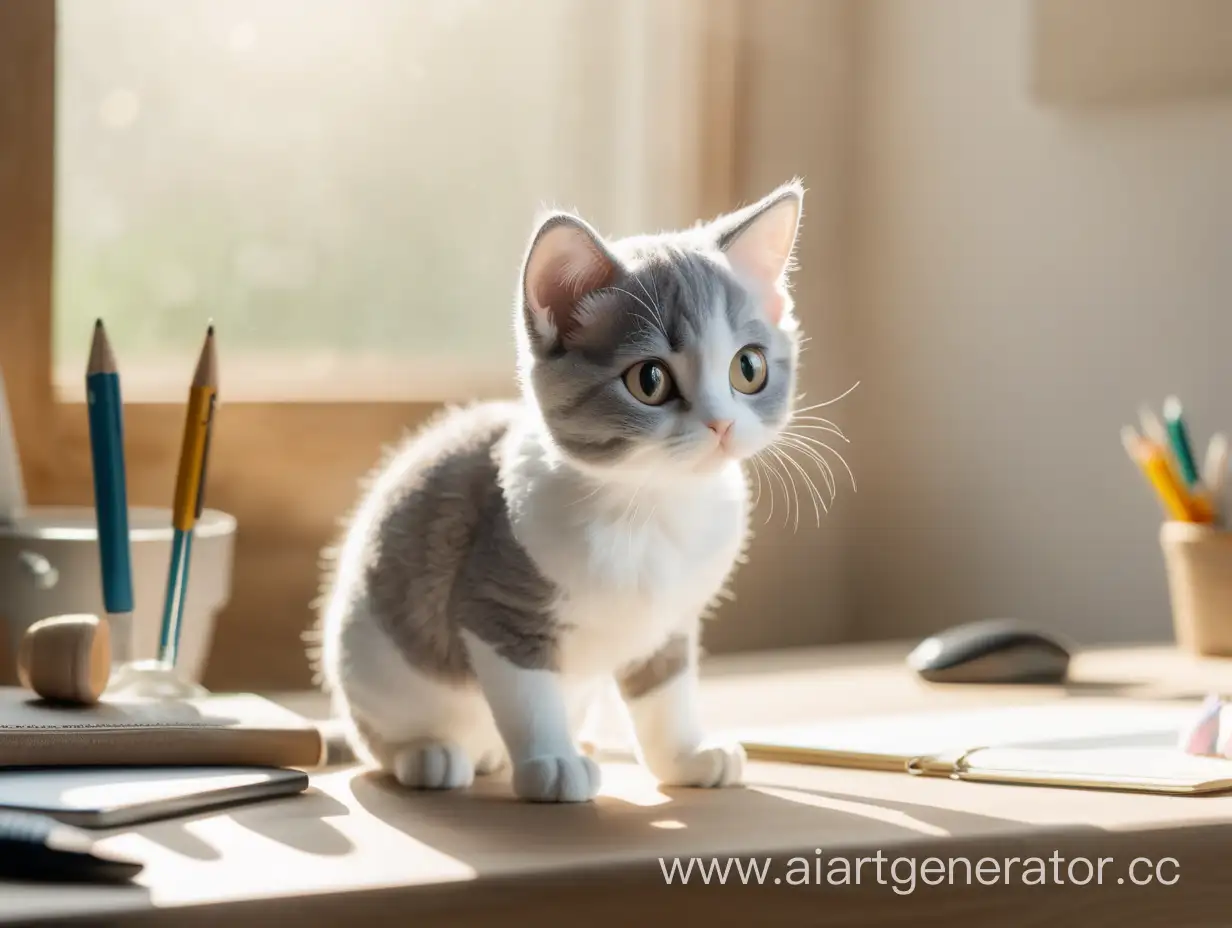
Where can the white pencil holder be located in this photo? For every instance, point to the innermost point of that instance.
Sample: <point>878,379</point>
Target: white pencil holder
<point>49,565</point>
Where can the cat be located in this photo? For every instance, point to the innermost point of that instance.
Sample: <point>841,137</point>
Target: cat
<point>513,558</point>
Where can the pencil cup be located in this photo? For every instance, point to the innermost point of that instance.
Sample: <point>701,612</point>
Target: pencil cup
<point>49,565</point>
<point>1198,562</point>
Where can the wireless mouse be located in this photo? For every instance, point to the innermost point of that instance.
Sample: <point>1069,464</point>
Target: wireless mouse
<point>991,651</point>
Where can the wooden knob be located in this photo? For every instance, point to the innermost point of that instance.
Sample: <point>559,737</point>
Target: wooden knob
<point>66,658</point>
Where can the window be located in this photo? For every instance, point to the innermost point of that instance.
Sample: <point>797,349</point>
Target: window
<point>346,188</point>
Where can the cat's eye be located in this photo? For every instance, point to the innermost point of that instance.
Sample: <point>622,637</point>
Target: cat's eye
<point>748,370</point>
<point>649,382</point>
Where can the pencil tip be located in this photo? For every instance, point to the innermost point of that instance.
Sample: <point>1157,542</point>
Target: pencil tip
<point>210,331</point>
<point>98,323</point>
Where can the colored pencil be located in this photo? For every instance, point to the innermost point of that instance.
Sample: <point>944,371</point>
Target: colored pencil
<point>1175,499</point>
<point>1215,470</point>
<point>189,494</point>
<point>1174,417</point>
<point>105,409</point>
<point>12,487</point>
<point>1215,474</point>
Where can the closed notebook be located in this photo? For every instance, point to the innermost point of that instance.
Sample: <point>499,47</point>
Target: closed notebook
<point>232,730</point>
<point>108,797</point>
<point>1088,744</point>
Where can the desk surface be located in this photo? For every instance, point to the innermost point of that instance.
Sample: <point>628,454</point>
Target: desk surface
<point>355,847</point>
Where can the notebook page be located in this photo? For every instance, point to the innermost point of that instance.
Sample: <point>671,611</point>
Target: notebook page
<point>1073,724</point>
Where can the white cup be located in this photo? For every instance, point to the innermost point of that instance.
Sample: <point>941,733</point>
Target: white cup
<point>49,565</point>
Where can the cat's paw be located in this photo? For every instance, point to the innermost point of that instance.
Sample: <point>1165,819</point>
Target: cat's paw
<point>433,765</point>
<point>721,765</point>
<point>556,779</point>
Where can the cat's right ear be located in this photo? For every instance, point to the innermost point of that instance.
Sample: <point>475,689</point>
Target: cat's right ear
<point>566,261</point>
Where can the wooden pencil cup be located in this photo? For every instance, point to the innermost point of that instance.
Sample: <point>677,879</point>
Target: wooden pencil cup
<point>1198,562</point>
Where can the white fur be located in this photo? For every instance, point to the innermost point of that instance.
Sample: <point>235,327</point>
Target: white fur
<point>636,554</point>
<point>634,564</point>
<point>672,744</point>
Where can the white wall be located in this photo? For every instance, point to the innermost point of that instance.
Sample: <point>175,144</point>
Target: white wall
<point>794,107</point>
<point>1026,276</point>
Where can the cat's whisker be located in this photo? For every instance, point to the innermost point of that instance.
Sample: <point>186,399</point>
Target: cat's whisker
<point>797,441</point>
<point>832,401</point>
<point>814,495</point>
<point>654,300</point>
<point>582,499</point>
<point>827,474</point>
<point>650,309</point>
<point>825,428</point>
<point>795,495</point>
<point>830,422</point>
<point>833,451</point>
<point>775,472</point>
<point>761,467</point>
<point>825,507</point>
<point>658,300</point>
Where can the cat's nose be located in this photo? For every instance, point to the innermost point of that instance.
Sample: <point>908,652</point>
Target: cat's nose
<point>720,427</point>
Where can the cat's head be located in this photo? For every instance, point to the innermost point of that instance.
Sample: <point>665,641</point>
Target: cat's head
<point>667,355</point>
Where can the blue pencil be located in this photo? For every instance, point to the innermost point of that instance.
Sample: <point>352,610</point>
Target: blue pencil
<point>106,414</point>
<point>1179,434</point>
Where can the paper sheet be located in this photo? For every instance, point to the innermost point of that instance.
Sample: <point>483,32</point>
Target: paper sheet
<point>1072,725</point>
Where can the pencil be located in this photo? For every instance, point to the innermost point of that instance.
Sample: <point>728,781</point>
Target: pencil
<point>105,409</point>
<point>12,487</point>
<point>1175,418</point>
<point>1215,470</point>
<point>1215,473</point>
<point>189,493</point>
<point>1176,501</point>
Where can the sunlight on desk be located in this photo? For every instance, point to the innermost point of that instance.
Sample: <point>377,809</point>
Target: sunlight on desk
<point>314,843</point>
<point>858,809</point>
<point>631,784</point>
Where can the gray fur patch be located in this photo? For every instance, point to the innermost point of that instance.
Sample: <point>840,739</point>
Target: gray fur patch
<point>443,558</point>
<point>664,665</point>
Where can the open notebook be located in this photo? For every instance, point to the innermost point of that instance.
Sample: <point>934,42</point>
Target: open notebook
<point>1091,744</point>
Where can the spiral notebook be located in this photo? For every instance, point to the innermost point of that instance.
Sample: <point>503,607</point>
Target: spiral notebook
<point>1089,744</point>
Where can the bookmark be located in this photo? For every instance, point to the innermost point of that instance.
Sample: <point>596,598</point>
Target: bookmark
<point>1202,735</point>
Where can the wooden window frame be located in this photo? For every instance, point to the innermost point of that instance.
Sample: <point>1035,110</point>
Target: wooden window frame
<point>288,471</point>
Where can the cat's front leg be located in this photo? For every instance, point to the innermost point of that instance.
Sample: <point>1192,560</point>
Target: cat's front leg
<point>529,708</point>
<point>661,693</point>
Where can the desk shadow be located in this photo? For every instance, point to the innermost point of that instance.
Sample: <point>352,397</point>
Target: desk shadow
<point>297,821</point>
<point>487,826</point>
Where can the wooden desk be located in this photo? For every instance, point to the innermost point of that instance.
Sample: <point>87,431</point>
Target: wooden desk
<point>356,851</point>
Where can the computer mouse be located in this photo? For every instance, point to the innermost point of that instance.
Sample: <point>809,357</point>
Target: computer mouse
<point>991,651</point>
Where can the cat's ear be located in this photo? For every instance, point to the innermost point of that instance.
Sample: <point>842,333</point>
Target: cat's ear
<point>758,242</point>
<point>566,261</point>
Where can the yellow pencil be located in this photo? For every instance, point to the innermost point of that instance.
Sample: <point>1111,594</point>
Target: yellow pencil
<point>198,418</point>
<point>189,492</point>
<point>1153,462</point>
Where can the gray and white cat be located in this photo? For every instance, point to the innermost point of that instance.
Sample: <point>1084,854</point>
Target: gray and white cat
<point>512,559</point>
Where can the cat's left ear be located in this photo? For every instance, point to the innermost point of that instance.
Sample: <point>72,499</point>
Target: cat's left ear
<point>566,262</point>
<point>758,242</point>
